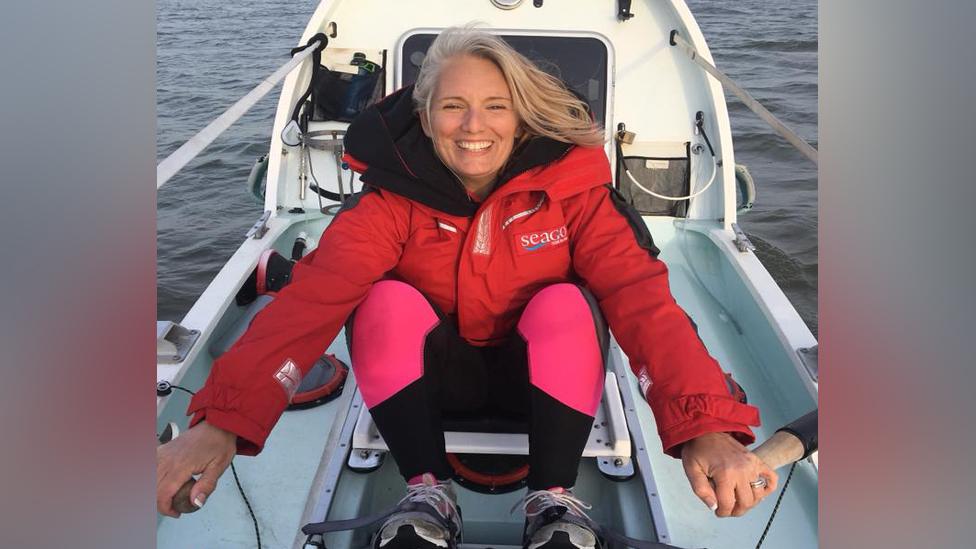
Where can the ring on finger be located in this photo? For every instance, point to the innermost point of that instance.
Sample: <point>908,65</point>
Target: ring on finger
<point>759,483</point>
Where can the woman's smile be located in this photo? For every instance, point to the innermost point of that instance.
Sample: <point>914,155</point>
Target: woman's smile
<point>474,146</point>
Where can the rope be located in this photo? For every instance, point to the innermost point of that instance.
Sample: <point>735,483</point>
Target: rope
<point>750,101</point>
<point>776,507</point>
<point>189,150</point>
<point>257,532</point>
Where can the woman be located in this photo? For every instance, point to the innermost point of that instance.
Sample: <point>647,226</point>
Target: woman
<point>475,274</point>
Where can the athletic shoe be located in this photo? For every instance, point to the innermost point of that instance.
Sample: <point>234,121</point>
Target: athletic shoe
<point>427,517</point>
<point>555,519</point>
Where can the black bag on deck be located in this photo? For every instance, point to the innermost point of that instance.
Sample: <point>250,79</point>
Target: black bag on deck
<point>341,96</point>
<point>336,95</point>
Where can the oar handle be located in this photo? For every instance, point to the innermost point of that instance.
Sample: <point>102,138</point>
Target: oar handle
<point>791,443</point>
<point>181,500</point>
<point>780,449</point>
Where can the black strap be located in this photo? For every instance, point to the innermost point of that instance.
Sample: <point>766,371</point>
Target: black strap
<point>617,540</point>
<point>624,541</point>
<point>323,42</point>
<point>324,193</point>
<point>613,539</point>
<point>316,62</point>
<point>313,528</point>
<point>362,522</point>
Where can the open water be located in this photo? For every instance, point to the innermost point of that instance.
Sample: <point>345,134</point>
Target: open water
<point>211,52</point>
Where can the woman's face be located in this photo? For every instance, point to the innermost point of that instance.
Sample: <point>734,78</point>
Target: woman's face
<point>472,120</point>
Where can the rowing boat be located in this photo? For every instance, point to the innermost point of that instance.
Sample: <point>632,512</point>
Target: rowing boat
<point>670,145</point>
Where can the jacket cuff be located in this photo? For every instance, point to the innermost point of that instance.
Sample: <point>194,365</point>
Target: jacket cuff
<point>220,407</point>
<point>691,416</point>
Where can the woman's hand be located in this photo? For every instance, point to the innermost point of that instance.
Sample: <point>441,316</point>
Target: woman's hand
<point>205,450</point>
<point>720,471</point>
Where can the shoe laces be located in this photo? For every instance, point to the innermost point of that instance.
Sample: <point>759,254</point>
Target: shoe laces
<point>435,494</point>
<point>537,501</point>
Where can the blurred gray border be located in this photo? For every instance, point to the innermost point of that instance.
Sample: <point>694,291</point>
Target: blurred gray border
<point>77,234</point>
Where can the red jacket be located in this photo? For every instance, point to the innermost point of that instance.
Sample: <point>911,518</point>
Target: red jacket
<point>552,218</point>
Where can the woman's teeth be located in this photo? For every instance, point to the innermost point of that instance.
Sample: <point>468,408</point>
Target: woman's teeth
<point>474,145</point>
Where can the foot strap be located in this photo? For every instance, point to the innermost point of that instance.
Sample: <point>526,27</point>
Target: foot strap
<point>619,540</point>
<point>347,524</point>
<point>608,539</point>
<point>362,522</point>
<point>615,540</point>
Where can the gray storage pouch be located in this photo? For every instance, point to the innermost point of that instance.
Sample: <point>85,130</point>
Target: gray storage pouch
<point>665,175</point>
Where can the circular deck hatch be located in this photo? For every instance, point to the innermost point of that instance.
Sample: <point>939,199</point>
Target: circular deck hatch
<point>506,4</point>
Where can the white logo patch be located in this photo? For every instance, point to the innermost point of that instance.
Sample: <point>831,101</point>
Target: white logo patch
<point>644,379</point>
<point>289,376</point>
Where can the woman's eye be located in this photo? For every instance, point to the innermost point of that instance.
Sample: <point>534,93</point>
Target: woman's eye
<point>451,107</point>
<point>497,107</point>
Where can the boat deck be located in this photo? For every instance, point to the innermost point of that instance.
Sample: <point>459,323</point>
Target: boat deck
<point>733,327</point>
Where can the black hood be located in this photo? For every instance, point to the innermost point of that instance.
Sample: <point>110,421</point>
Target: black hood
<point>400,158</point>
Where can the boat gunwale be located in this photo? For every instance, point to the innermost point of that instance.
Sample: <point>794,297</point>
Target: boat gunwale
<point>214,303</point>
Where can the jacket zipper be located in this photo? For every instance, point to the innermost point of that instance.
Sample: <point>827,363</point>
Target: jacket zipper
<point>524,213</point>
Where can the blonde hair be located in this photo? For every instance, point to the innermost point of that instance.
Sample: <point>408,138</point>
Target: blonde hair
<point>541,101</point>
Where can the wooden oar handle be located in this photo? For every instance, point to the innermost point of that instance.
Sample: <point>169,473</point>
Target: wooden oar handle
<point>780,449</point>
<point>181,500</point>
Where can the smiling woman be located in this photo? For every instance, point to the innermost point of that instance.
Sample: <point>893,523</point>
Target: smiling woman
<point>472,122</point>
<point>476,275</point>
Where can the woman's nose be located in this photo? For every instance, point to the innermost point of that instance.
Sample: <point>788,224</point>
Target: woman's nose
<point>473,121</point>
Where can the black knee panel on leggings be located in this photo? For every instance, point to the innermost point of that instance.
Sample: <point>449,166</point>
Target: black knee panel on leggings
<point>411,428</point>
<point>557,436</point>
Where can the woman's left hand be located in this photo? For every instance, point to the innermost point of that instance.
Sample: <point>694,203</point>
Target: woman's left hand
<point>720,471</point>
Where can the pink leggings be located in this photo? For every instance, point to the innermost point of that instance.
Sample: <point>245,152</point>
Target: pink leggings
<point>412,367</point>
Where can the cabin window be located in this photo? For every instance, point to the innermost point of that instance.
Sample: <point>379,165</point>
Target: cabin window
<point>579,61</point>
